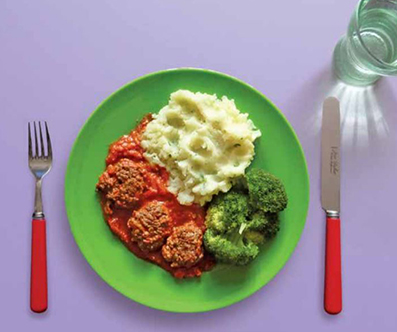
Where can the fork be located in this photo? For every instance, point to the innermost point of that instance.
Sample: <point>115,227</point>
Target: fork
<point>40,162</point>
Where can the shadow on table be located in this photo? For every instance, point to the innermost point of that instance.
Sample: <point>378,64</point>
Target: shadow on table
<point>367,113</point>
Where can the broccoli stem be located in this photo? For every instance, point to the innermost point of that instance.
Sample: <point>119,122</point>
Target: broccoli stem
<point>236,236</point>
<point>242,227</point>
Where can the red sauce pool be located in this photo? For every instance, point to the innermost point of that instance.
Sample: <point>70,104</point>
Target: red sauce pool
<point>156,177</point>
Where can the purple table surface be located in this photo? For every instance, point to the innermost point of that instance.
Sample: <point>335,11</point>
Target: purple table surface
<point>59,60</point>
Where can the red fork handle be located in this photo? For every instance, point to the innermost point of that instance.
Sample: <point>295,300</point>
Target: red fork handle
<point>38,276</point>
<point>333,275</point>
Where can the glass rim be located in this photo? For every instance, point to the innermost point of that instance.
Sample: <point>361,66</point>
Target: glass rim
<point>357,12</point>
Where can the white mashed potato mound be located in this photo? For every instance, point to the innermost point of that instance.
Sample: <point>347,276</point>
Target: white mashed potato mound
<point>204,142</point>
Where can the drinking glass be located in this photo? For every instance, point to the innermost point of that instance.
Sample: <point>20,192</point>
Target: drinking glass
<point>369,49</point>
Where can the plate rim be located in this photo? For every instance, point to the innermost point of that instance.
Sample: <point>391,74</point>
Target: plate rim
<point>79,242</point>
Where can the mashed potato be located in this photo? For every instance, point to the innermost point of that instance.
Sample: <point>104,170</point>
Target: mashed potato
<point>204,142</point>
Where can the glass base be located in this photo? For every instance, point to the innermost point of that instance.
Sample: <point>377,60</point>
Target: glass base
<point>348,70</point>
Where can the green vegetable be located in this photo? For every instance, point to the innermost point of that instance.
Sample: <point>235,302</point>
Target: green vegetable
<point>227,211</point>
<point>254,237</point>
<point>267,224</point>
<point>226,222</point>
<point>230,247</point>
<point>244,218</point>
<point>266,192</point>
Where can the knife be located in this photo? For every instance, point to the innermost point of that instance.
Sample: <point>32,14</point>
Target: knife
<point>330,201</point>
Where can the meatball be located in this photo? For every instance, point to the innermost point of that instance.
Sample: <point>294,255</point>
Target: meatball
<point>122,183</point>
<point>184,247</point>
<point>150,226</point>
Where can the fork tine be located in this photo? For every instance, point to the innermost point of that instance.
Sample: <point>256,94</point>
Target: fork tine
<point>30,141</point>
<point>41,140</point>
<point>36,142</point>
<point>49,148</point>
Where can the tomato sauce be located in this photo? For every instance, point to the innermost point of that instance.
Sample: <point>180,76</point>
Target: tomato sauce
<point>156,179</point>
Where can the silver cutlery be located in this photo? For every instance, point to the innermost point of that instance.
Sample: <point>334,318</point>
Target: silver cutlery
<point>40,162</point>
<point>330,200</point>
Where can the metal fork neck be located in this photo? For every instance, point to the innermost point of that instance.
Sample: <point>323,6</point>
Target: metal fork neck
<point>38,215</point>
<point>38,203</point>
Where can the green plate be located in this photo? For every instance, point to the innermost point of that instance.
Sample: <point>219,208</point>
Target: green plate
<point>278,151</point>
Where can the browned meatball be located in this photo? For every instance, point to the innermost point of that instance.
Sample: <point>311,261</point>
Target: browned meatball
<point>122,183</point>
<point>184,247</point>
<point>150,225</point>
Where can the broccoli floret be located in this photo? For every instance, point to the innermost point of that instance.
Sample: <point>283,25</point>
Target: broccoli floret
<point>226,222</point>
<point>231,247</point>
<point>254,236</point>
<point>245,217</point>
<point>215,216</point>
<point>267,224</point>
<point>266,192</point>
<point>261,227</point>
<point>227,211</point>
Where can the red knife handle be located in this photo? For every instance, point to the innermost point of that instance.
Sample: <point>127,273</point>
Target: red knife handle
<point>38,276</point>
<point>333,275</point>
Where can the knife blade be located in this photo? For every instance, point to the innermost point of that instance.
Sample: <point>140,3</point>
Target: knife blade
<point>330,201</point>
<point>330,156</point>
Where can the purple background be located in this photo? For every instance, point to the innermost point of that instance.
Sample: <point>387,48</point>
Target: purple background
<point>59,60</point>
